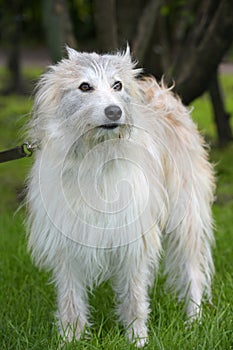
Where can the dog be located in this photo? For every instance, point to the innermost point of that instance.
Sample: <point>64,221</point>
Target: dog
<point>121,180</point>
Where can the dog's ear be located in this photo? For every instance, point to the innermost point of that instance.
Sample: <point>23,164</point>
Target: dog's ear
<point>127,54</point>
<point>132,63</point>
<point>72,54</point>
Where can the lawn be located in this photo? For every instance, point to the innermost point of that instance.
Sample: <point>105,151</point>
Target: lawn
<point>27,298</point>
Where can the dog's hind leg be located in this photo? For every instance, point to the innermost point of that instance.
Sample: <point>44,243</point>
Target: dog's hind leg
<point>188,261</point>
<point>72,305</point>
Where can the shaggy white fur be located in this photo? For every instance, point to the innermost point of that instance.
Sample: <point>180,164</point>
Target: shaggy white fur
<point>121,175</point>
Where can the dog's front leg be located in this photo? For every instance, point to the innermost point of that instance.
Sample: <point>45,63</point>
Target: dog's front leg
<point>72,305</point>
<point>133,308</point>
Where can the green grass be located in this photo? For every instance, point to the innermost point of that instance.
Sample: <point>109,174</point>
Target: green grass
<point>28,301</point>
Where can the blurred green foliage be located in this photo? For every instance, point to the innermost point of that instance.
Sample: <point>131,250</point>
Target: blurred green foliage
<point>29,14</point>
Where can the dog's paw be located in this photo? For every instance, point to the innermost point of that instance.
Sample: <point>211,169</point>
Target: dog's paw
<point>72,332</point>
<point>141,342</point>
<point>194,313</point>
<point>138,335</point>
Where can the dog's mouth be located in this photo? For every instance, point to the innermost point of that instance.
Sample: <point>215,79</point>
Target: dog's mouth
<point>109,126</point>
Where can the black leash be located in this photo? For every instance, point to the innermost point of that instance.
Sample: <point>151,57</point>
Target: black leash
<point>25,150</point>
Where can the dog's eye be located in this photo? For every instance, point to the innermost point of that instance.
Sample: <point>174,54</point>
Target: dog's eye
<point>85,87</point>
<point>117,86</point>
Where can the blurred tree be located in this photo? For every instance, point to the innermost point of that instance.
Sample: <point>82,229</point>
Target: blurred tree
<point>82,16</point>
<point>106,26</point>
<point>222,118</point>
<point>58,27</point>
<point>19,22</point>
<point>12,31</point>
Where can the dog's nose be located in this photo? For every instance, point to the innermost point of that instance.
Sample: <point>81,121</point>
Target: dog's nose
<point>113,112</point>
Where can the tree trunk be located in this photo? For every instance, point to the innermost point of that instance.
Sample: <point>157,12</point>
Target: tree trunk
<point>145,29</point>
<point>128,14</point>
<point>58,27</point>
<point>14,59</point>
<point>12,32</point>
<point>203,60</point>
<point>222,118</point>
<point>106,24</point>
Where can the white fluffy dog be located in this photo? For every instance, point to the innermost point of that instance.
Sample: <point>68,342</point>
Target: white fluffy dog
<point>121,177</point>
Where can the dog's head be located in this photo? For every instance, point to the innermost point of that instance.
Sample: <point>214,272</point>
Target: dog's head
<point>86,94</point>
